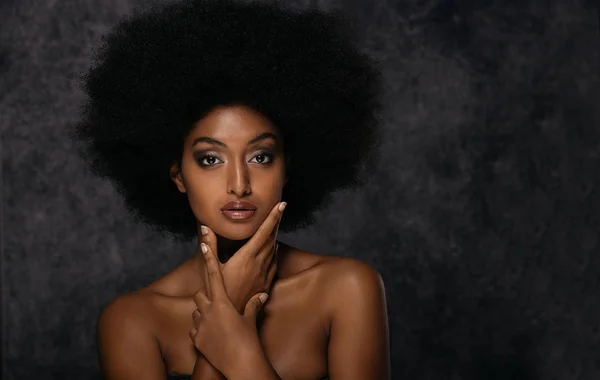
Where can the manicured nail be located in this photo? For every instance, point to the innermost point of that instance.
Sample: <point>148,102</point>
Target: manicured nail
<point>282,206</point>
<point>203,230</point>
<point>204,248</point>
<point>263,297</point>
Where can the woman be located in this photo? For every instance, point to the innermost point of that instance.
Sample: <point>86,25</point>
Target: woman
<point>210,117</point>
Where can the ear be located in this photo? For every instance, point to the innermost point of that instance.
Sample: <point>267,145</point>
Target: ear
<point>175,173</point>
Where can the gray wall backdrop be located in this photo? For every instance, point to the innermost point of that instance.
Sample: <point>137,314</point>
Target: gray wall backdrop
<point>483,217</point>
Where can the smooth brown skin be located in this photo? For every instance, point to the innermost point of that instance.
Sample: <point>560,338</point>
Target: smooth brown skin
<point>253,268</point>
<point>325,315</point>
<point>222,334</point>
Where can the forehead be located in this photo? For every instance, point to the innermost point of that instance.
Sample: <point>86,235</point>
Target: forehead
<point>232,123</point>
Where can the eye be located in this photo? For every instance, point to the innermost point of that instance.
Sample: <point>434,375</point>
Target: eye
<point>263,158</point>
<point>208,160</point>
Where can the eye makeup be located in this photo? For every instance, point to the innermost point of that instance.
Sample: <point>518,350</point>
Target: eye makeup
<point>208,158</point>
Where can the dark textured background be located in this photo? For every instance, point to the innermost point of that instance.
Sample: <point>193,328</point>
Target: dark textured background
<point>483,217</point>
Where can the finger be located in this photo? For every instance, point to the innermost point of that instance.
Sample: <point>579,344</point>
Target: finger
<point>265,230</point>
<point>275,229</point>
<point>254,305</point>
<point>196,316</point>
<point>207,281</point>
<point>200,299</point>
<point>270,243</point>
<point>215,277</point>
<point>209,237</point>
<point>272,256</point>
<point>268,256</point>
<point>272,272</point>
<point>265,254</point>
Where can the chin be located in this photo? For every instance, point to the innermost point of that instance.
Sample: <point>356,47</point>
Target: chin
<point>236,235</point>
<point>236,231</point>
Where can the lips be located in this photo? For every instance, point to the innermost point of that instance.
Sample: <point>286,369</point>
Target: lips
<point>239,206</point>
<point>238,211</point>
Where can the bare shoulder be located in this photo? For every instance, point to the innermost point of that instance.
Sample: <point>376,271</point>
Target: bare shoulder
<point>346,274</point>
<point>340,275</point>
<point>358,323</point>
<point>355,298</point>
<point>347,286</point>
<point>133,305</point>
<point>125,313</point>
<point>126,342</point>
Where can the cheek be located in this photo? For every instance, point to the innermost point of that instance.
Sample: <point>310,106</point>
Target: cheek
<point>201,198</point>
<point>277,190</point>
<point>271,185</point>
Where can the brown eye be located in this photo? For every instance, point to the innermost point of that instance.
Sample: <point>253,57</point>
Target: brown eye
<point>264,158</point>
<point>208,160</point>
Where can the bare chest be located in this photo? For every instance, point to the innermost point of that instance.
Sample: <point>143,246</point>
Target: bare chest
<point>293,331</point>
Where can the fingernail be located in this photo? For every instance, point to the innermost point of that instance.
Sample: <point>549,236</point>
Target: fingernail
<point>282,206</point>
<point>203,230</point>
<point>204,248</point>
<point>263,297</point>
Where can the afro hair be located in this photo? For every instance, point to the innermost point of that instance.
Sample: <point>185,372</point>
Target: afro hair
<point>160,71</point>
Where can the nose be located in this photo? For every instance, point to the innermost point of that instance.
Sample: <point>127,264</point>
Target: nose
<point>238,181</point>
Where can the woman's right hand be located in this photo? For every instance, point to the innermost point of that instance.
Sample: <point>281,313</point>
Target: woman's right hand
<point>252,268</point>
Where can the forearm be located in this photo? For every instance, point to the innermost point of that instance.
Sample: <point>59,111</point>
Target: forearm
<point>260,370</point>
<point>253,366</point>
<point>203,370</point>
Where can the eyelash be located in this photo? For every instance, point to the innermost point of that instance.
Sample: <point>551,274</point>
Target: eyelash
<point>269,157</point>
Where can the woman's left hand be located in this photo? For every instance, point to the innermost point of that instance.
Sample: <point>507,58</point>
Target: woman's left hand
<point>224,336</point>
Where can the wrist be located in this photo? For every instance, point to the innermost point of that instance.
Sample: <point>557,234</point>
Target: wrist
<point>252,364</point>
<point>204,370</point>
<point>238,303</point>
<point>235,298</point>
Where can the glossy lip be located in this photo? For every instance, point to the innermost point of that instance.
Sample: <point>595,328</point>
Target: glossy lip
<point>238,214</point>
<point>239,206</point>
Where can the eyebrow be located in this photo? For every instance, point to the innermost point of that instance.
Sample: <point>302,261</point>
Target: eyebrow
<point>210,140</point>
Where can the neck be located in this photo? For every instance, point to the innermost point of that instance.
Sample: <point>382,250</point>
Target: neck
<point>225,248</point>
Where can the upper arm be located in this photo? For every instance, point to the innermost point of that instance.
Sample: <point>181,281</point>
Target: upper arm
<point>359,335</point>
<point>127,349</point>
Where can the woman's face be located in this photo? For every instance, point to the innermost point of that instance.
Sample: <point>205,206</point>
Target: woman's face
<point>233,154</point>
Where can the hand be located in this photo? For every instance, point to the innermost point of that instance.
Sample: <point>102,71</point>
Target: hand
<point>220,333</point>
<point>252,268</point>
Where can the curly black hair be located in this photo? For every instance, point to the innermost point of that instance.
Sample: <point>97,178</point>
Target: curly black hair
<point>158,72</point>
